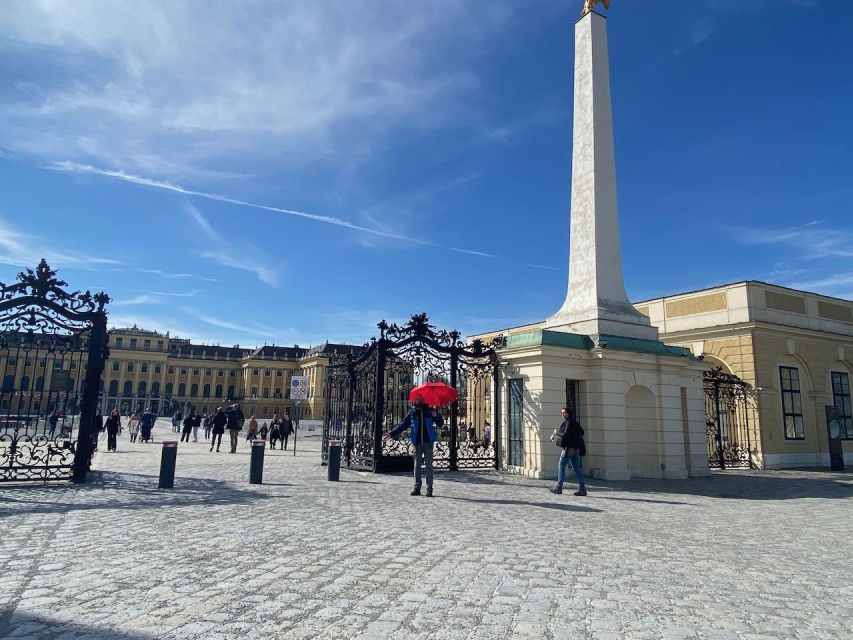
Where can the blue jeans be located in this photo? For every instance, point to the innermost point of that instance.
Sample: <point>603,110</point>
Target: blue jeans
<point>575,460</point>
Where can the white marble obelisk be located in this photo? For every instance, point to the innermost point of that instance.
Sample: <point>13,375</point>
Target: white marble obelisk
<point>596,302</point>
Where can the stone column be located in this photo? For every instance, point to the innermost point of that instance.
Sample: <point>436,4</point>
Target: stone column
<point>596,302</point>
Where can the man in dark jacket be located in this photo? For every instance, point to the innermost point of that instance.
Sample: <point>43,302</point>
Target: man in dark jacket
<point>285,430</point>
<point>218,422</point>
<point>235,423</point>
<point>146,424</point>
<point>572,447</point>
<point>189,422</point>
<point>423,420</point>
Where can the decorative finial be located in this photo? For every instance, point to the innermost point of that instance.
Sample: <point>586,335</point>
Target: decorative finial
<point>589,6</point>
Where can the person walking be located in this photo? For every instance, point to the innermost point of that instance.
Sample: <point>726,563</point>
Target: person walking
<point>286,429</point>
<point>235,424</point>
<point>275,433</point>
<point>263,431</point>
<point>113,427</point>
<point>487,434</point>
<point>133,426</point>
<point>253,429</point>
<point>217,424</point>
<point>178,420</point>
<point>422,421</point>
<point>146,424</point>
<point>189,421</point>
<point>99,421</point>
<point>196,424</point>
<point>569,438</point>
<point>53,420</point>
<point>208,425</point>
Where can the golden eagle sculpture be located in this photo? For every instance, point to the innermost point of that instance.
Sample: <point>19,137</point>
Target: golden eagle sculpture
<point>589,5</point>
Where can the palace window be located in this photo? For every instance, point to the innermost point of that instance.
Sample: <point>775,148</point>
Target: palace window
<point>146,345</point>
<point>232,374</point>
<point>194,390</point>
<point>254,392</point>
<point>267,373</point>
<point>256,372</point>
<point>133,343</point>
<point>157,368</point>
<point>119,342</point>
<point>144,369</point>
<point>182,389</point>
<point>57,363</point>
<point>171,369</point>
<point>183,371</point>
<point>116,365</point>
<point>195,371</point>
<point>266,392</point>
<point>220,373</point>
<point>792,403</point>
<point>205,392</point>
<point>130,366</point>
<point>841,400</point>
<point>278,373</point>
<point>219,391</point>
<point>159,345</point>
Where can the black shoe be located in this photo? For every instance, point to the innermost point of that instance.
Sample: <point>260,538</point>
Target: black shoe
<point>557,490</point>
<point>416,491</point>
<point>429,492</point>
<point>580,492</point>
<point>211,448</point>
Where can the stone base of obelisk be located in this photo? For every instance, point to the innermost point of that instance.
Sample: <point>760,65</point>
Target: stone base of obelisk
<point>640,402</point>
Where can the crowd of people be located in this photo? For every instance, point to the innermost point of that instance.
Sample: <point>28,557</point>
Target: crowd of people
<point>214,426</point>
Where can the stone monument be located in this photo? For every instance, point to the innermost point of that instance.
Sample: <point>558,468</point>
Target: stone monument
<point>640,401</point>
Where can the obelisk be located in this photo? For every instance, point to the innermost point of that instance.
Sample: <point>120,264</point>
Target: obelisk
<point>596,303</point>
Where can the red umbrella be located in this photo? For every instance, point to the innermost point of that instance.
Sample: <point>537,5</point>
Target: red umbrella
<point>435,394</point>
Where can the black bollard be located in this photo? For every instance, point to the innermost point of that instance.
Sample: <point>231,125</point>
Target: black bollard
<point>256,464</point>
<point>334,468</point>
<point>167,465</point>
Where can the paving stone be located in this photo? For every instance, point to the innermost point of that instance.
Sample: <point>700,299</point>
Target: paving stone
<point>739,555</point>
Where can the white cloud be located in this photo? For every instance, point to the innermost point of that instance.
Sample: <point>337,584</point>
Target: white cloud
<point>73,167</point>
<point>23,250</point>
<point>809,241</point>
<point>177,88</point>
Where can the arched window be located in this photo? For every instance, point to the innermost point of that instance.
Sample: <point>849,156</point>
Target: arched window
<point>205,392</point>
<point>40,383</point>
<point>169,388</point>
<point>155,388</point>
<point>128,388</point>
<point>194,390</point>
<point>182,390</point>
<point>72,384</point>
<point>219,391</point>
<point>143,389</point>
<point>113,388</point>
<point>230,391</point>
<point>25,383</point>
<point>8,383</point>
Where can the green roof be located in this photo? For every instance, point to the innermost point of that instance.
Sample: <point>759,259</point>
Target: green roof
<point>544,337</point>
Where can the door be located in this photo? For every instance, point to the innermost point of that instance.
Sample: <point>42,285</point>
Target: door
<point>834,432</point>
<point>516,422</point>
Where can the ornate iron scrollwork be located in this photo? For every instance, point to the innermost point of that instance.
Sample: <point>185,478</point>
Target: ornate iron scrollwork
<point>56,334</point>
<point>368,394</point>
<point>729,403</point>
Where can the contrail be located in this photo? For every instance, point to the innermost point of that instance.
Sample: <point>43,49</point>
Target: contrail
<point>74,167</point>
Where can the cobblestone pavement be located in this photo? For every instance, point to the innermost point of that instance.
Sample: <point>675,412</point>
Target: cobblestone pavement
<point>740,555</point>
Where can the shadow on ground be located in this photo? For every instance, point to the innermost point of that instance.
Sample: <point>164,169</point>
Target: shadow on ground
<point>18,624</point>
<point>131,491</point>
<point>736,485</point>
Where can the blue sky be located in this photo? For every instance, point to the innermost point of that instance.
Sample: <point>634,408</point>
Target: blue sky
<point>291,172</point>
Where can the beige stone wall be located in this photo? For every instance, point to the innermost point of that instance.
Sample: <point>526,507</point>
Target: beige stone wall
<point>761,328</point>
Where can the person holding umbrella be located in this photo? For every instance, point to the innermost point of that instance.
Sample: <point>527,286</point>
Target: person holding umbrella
<point>422,421</point>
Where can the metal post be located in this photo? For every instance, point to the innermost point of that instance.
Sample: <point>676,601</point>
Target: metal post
<point>94,368</point>
<point>296,426</point>
<point>718,425</point>
<point>496,427</point>
<point>379,403</point>
<point>454,412</point>
<point>350,399</point>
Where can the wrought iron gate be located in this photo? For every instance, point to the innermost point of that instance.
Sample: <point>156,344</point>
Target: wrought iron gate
<point>728,408</point>
<point>53,345</point>
<point>367,394</point>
